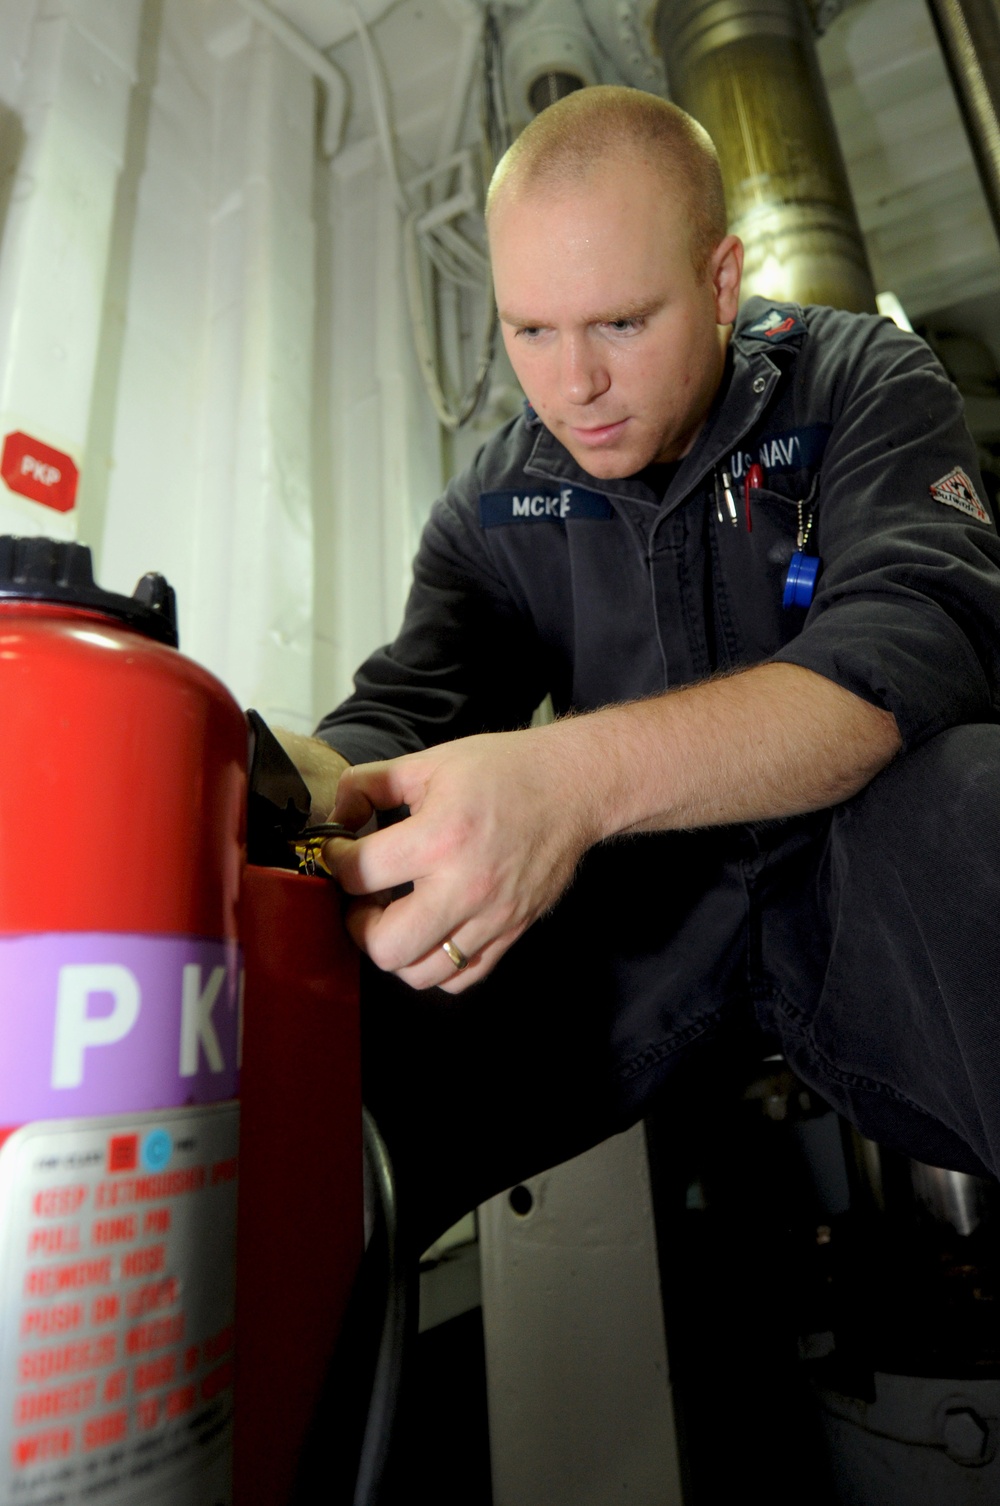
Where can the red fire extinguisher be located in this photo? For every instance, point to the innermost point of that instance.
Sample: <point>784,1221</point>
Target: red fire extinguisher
<point>122,778</point>
<point>122,808</point>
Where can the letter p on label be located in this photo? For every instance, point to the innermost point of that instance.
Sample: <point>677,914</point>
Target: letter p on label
<point>77,1029</point>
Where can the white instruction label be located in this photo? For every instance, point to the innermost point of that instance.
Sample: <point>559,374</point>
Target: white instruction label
<point>117,1276</point>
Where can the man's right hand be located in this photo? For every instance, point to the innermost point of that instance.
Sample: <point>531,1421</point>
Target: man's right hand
<point>499,821</point>
<point>497,827</point>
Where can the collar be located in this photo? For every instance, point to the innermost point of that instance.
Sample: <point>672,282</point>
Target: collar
<point>553,462</point>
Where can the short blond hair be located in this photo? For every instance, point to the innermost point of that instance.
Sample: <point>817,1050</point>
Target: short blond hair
<point>565,143</point>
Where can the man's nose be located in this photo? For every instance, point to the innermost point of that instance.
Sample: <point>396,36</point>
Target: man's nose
<point>584,375</point>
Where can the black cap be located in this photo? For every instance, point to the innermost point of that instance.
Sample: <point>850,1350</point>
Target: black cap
<point>40,569</point>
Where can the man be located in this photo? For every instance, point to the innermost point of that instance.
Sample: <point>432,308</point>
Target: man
<point>714,778</point>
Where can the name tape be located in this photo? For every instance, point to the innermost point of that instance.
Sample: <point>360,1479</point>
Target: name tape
<point>568,504</point>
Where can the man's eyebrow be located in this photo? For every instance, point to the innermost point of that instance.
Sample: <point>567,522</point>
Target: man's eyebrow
<point>611,316</point>
<point>627,311</point>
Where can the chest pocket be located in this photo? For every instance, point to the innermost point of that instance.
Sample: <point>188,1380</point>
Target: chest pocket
<point>789,517</point>
<point>749,567</point>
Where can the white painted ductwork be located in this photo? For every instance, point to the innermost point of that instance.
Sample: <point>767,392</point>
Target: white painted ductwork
<point>548,41</point>
<point>335,98</point>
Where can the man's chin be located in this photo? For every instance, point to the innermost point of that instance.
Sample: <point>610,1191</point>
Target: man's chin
<point>609,464</point>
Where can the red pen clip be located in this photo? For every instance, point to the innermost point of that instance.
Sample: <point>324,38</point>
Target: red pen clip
<point>753,483</point>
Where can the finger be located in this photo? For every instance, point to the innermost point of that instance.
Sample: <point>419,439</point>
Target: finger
<point>334,854</point>
<point>438,971</point>
<point>478,969</point>
<point>414,928</point>
<point>368,922</point>
<point>437,968</point>
<point>354,813</point>
<point>373,786</point>
<point>381,860</point>
<point>360,870</point>
<point>376,929</point>
<point>361,919</point>
<point>438,965</point>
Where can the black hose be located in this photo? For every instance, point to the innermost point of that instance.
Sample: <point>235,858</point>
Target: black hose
<point>399,1298</point>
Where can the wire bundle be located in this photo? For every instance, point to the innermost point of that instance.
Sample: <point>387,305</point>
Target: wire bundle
<point>435,251</point>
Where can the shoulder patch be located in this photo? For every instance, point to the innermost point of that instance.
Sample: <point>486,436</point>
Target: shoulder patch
<point>956,490</point>
<point>776,327</point>
<point>551,505</point>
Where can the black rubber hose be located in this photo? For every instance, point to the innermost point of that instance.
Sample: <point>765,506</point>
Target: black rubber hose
<point>400,1297</point>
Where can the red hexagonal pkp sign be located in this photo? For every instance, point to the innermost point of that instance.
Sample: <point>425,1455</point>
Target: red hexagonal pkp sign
<point>38,471</point>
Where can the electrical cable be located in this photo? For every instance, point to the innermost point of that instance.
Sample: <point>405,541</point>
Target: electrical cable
<point>496,128</point>
<point>399,1311</point>
<point>450,254</point>
<point>444,259</point>
<point>448,417</point>
<point>447,257</point>
<point>476,261</point>
<point>376,85</point>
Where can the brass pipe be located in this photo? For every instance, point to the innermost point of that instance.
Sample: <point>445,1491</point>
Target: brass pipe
<point>747,70</point>
<point>969,33</point>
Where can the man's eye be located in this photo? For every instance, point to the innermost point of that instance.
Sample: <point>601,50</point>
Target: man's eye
<point>529,331</point>
<point>625,326</point>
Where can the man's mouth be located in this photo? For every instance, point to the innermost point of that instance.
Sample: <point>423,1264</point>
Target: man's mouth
<point>599,435</point>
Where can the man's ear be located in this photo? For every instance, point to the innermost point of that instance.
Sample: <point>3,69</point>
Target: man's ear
<point>726,267</point>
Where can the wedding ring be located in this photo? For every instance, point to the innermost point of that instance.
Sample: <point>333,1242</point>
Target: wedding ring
<point>455,954</point>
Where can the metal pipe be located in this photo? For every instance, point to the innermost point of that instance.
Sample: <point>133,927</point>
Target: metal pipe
<point>553,86</point>
<point>547,55</point>
<point>969,33</point>
<point>335,106</point>
<point>470,17</point>
<point>952,1197</point>
<point>747,70</point>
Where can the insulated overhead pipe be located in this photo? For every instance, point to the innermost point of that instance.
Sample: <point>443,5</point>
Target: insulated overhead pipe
<point>547,55</point>
<point>747,70</point>
<point>969,33</point>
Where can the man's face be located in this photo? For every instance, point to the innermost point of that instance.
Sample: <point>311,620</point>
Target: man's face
<point>614,339</point>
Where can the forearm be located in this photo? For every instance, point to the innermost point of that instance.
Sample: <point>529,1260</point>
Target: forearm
<point>772,741</point>
<point>320,766</point>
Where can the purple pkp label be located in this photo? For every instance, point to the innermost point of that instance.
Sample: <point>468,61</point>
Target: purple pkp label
<point>115,1024</point>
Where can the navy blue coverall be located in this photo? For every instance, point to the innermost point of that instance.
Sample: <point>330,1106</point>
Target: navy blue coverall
<point>864,938</point>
